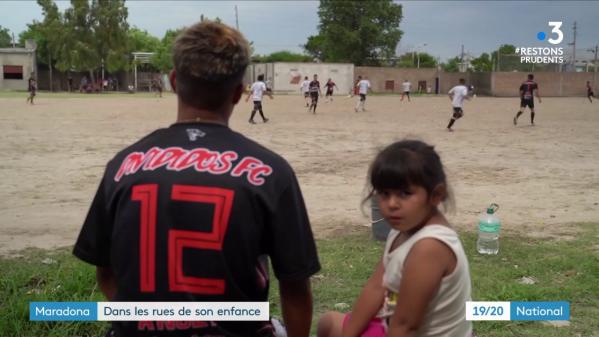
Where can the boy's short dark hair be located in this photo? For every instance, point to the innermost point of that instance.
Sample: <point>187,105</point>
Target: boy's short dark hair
<point>210,59</point>
<point>462,81</point>
<point>260,77</point>
<point>531,76</point>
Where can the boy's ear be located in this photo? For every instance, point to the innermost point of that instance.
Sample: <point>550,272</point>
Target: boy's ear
<point>172,77</point>
<point>439,194</point>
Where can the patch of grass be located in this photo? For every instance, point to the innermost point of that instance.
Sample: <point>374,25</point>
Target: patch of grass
<point>565,270</point>
<point>45,276</point>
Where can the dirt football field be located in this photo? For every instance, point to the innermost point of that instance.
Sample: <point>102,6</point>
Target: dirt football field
<point>544,177</point>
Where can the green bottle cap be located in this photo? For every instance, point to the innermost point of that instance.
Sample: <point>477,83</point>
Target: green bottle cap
<point>492,208</point>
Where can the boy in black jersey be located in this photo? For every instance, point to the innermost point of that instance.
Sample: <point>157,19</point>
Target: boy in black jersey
<point>527,90</point>
<point>314,89</point>
<point>189,212</point>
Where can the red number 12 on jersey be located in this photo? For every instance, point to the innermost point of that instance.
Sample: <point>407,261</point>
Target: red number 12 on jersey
<point>147,195</point>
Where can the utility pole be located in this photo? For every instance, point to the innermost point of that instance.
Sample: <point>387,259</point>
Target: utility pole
<point>594,64</point>
<point>498,53</point>
<point>594,51</point>
<point>418,55</point>
<point>573,44</point>
<point>462,68</point>
<point>236,18</point>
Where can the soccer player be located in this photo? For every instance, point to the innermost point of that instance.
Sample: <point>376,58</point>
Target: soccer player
<point>314,89</point>
<point>189,211</point>
<point>457,95</point>
<point>329,94</point>
<point>590,92</point>
<point>305,88</point>
<point>527,90</point>
<point>257,92</point>
<point>363,86</point>
<point>407,87</point>
<point>32,88</point>
<point>157,82</point>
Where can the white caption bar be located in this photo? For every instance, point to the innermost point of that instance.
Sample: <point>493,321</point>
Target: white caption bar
<point>487,311</point>
<point>183,311</point>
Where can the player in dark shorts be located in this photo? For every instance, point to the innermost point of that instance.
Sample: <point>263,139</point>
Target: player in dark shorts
<point>457,95</point>
<point>590,92</point>
<point>32,88</point>
<point>189,212</point>
<point>257,92</point>
<point>527,91</point>
<point>157,83</point>
<point>314,93</point>
<point>329,94</point>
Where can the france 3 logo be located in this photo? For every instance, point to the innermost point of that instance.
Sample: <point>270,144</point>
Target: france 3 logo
<point>545,55</point>
<point>541,36</point>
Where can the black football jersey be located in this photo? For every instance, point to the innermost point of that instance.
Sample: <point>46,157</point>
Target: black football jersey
<point>314,86</point>
<point>527,89</point>
<point>187,214</point>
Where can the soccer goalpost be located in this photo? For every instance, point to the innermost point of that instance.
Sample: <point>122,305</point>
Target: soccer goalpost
<point>139,58</point>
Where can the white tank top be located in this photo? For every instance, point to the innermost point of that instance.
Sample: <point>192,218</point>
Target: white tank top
<point>446,315</point>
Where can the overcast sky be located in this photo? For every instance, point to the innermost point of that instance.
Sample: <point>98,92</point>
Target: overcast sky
<point>436,27</point>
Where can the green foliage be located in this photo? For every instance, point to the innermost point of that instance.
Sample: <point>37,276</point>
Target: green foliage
<point>142,41</point>
<point>452,65</point>
<point>410,60</point>
<point>507,60</point>
<point>5,38</point>
<point>482,63</point>
<point>87,35</point>
<point>282,56</point>
<point>163,58</point>
<point>109,25</point>
<point>360,32</point>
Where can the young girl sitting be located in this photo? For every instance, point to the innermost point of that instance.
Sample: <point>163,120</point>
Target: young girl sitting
<point>422,282</point>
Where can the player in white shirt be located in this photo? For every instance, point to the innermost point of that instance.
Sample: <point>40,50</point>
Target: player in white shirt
<point>457,95</point>
<point>257,92</point>
<point>306,90</point>
<point>407,87</point>
<point>363,86</point>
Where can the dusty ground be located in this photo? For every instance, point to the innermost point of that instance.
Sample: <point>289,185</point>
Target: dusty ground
<point>545,177</point>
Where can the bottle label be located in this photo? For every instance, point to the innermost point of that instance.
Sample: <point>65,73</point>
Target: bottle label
<point>488,227</point>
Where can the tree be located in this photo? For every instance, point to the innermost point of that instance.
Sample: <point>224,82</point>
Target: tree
<point>282,56</point>
<point>361,32</point>
<point>109,24</point>
<point>506,60</point>
<point>410,60</point>
<point>142,41</point>
<point>48,35</point>
<point>5,39</point>
<point>163,58</point>
<point>452,65</point>
<point>95,36</point>
<point>482,63</point>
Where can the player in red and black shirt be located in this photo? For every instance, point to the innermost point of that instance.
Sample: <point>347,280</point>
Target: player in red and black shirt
<point>590,92</point>
<point>330,85</point>
<point>32,88</point>
<point>527,90</point>
<point>314,89</point>
<point>190,212</point>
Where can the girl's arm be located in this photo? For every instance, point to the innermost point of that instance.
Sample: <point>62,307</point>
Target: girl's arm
<point>368,304</point>
<point>426,264</point>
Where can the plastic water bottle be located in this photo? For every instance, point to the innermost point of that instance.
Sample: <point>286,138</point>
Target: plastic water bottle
<point>488,232</point>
